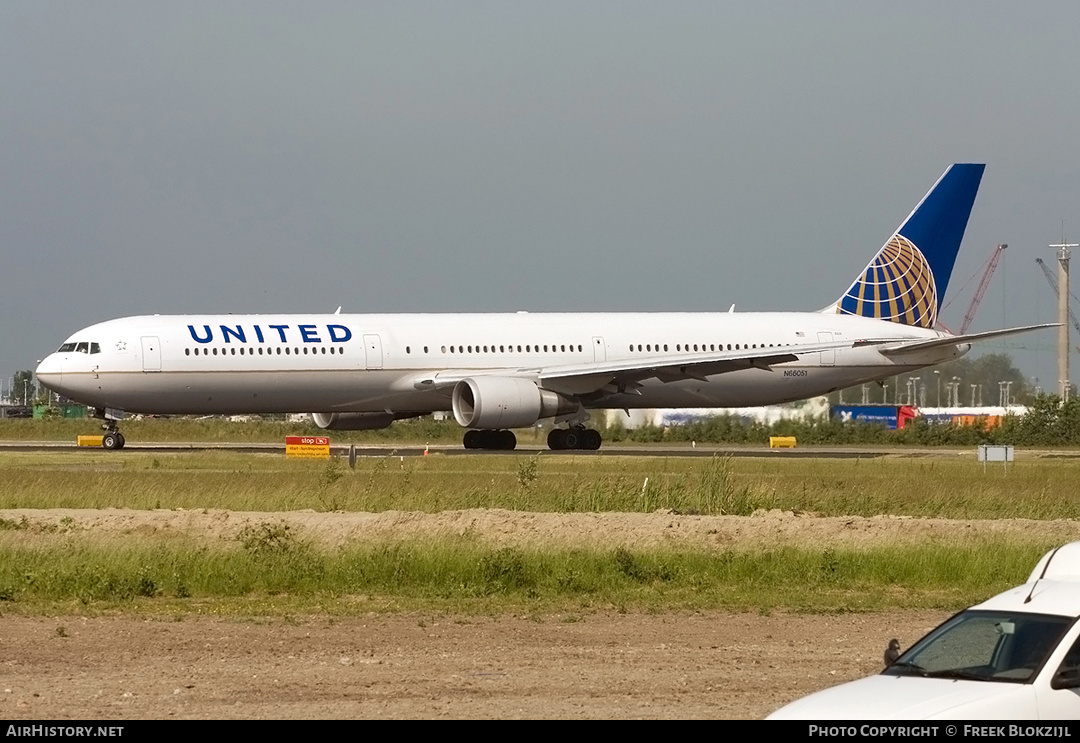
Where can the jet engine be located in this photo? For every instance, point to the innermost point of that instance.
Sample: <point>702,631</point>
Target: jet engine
<point>353,421</point>
<point>505,402</point>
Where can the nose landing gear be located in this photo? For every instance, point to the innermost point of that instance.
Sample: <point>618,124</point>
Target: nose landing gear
<point>112,439</point>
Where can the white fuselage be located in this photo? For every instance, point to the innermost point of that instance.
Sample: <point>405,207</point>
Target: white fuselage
<point>375,363</point>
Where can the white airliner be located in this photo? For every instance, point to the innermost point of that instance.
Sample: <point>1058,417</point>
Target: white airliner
<point>503,371</point>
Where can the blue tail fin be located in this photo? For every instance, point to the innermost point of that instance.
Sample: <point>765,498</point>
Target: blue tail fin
<point>906,281</point>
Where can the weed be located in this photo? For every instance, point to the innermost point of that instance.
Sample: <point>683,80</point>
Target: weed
<point>265,539</point>
<point>505,570</point>
<point>830,565</point>
<point>636,569</point>
<point>528,471</point>
<point>145,584</point>
<point>332,472</point>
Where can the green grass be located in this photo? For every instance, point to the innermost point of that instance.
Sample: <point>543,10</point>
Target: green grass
<point>957,488</point>
<point>270,569</point>
<point>268,566</point>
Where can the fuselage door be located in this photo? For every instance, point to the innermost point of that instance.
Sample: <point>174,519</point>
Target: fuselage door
<point>828,358</point>
<point>151,354</point>
<point>373,351</point>
<point>599,351</point>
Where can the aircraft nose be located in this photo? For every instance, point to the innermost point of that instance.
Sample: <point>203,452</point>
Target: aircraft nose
<point>50,371</point>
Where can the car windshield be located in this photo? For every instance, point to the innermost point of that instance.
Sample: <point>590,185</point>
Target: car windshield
<point>985,646</point>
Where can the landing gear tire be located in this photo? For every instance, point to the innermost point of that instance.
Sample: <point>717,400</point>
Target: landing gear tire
<point>560,439</point>
<point>497,440</point>
<point>112,440</point>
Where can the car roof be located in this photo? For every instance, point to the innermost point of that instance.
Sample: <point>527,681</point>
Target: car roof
<point>1038,597</point>
<point>1052,588</point>
<point>1062,563</point>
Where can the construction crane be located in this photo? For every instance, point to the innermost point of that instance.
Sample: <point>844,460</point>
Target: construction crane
<point>991,266</point>
<point>1052,280</point>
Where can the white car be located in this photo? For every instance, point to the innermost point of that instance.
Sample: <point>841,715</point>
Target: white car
<point>1015,656</point>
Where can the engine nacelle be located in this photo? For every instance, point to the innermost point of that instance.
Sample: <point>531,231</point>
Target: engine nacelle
<point>353,421</point>
<point>505,402</point>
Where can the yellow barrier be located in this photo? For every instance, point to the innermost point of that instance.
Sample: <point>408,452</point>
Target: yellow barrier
<point>781,442</point>
<point>89,441</point>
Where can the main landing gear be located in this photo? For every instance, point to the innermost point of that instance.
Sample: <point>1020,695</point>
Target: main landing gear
<point>575,437</point>
<point>560,439</point>
<point>499,440</point>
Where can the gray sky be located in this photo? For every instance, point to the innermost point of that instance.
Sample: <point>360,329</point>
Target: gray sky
<point>276,157</point>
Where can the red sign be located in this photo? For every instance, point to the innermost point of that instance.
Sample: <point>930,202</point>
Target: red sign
<point>307,441</point>
<point>307,446</point>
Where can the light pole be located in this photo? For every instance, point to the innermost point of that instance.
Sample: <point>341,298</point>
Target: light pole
<point>937,378</point>
<point>1064,251</point>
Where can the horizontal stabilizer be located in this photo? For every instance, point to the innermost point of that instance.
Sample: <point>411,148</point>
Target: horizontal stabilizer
<point>897,349</point>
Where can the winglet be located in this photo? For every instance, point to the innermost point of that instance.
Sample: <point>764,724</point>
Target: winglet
<point>906,280</point>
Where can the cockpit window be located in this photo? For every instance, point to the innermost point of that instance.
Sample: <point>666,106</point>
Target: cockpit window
<point>83,347</point>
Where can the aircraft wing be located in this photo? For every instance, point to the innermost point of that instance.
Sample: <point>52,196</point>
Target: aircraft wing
<point>893,348</point>
<point>627,374</point>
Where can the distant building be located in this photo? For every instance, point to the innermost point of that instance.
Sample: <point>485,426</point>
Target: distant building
<point>817,407</point>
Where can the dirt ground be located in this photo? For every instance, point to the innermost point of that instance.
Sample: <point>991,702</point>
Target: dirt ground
<point>519,528</point>
<point>707,665</point>
<point>422,665</point>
